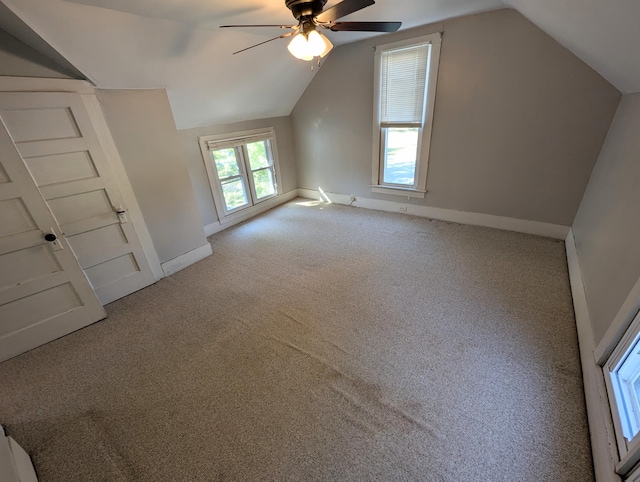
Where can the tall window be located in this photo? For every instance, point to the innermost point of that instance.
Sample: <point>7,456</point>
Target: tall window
<point>242,169</point>
<point>406,74</point>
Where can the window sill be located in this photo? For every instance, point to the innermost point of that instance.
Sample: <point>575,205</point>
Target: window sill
<point>399,191</point>
<point>250,211</point>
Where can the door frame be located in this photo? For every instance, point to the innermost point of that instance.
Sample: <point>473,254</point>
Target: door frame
<point>87,94</point>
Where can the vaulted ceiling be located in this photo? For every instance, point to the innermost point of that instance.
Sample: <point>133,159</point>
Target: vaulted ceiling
<point>176,44</point>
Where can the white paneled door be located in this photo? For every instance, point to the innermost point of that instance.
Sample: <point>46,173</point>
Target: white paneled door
<point>43,292</point>
<point>56,136</point>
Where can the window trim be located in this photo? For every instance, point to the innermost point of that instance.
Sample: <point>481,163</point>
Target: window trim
<point>242,175</point>
<point>238,140</point>
<point>634,476</point>
<point>424,137</point>
<point>628,450</point>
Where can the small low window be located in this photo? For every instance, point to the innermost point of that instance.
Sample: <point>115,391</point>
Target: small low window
<point>242,169</point>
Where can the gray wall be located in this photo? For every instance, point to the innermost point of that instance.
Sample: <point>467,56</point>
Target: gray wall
<point>607,226</point>
<point>518,125</point>
<point>19,60</point>
<point>197,170</point>
<point>144,132</point>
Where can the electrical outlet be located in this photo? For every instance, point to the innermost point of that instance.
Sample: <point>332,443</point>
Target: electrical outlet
<point>402,209</point>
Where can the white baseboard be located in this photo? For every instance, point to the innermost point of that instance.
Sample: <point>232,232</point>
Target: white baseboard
<point>213,228</point>
<point>187,259</point>
<point>547,230</point>
<point>603,442</point>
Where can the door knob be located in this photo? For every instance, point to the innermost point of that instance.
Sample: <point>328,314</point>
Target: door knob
<point>53,239</point>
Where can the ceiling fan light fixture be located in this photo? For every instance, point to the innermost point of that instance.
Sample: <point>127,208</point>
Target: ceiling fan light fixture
<point>298,46</point>
<point>328,46</point>
<point>314,44</point>
<point>308,42</point>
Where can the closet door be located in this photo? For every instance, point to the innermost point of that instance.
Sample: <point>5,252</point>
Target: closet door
<point>43,292</point>
<point>55,136</point>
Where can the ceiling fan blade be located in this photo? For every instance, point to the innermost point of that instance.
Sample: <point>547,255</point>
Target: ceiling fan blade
<point>365,26</point>
<point>244,26</point>
<point>343,9</point>
<point>266,41</point>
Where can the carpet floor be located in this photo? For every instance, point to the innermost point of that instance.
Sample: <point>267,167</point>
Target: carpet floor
<point>320,342</point>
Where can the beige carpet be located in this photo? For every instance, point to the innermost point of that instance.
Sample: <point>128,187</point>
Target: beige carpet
<point>320,342</point>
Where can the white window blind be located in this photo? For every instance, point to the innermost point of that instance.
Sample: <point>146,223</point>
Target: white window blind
<point>402,85</point>
<point>237,141</point>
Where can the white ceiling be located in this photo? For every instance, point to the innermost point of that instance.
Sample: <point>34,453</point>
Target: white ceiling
<point>177,44</point>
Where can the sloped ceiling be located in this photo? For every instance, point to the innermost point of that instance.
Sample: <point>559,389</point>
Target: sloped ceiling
<point>605,34</point>
<point>176,44</point>
<point>15,27</point>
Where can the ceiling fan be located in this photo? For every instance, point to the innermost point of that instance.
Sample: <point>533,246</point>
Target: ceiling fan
<point>307,41</point>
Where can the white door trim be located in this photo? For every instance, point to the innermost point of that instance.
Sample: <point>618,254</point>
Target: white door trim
<point>103,133</point>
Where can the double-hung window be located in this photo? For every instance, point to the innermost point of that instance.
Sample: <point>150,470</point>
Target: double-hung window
<point>405,84</point>
<point>242,169</point>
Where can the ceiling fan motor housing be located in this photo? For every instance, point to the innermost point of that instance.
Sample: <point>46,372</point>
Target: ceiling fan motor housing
<point>305,8</point>
<point>311,16</point>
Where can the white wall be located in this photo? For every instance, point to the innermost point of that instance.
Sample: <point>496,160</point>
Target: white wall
<point>607,226</point>
<point>144,132</point>
<point>519,121</point>
<point>197,170</point>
